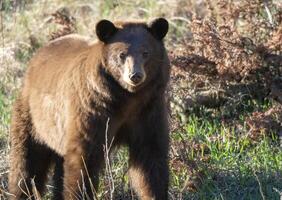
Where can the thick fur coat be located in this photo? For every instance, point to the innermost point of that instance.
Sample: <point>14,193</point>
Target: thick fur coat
<point>77,95</point>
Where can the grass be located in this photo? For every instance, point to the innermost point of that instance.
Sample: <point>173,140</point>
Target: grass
<point>232,164</point>
<point>210,158</point>
<point>236,168</point>
<point>4,124</point>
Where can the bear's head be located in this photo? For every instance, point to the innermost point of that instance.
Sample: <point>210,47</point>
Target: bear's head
<point>133,52</point>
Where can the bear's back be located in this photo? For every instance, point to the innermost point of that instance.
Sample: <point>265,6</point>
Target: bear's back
<point>51,65</point>
<point>59,50</point>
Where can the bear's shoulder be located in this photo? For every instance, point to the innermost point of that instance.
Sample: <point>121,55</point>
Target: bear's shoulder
<point>69,41</point>
<point>60,49</point>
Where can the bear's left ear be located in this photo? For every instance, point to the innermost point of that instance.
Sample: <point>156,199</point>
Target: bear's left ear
<point>105,29</point>
<point>158,27</point>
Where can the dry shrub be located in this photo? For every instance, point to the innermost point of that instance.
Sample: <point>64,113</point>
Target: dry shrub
<point>189,169</point>
<point>234,56</point>
<point>276,89</point>
<point>261,123</point>
<point>66,22</point>
<point>223,56</point>
<point>275,43</point>
<point>256,19</point>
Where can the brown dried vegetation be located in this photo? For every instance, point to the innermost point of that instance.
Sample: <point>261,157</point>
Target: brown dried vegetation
<point>66,22</point>
<point>232,56</point>
<point>224,60</point>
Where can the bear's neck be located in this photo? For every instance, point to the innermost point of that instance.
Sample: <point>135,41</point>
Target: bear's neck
<point>97,90</point>
<point>100,91</point>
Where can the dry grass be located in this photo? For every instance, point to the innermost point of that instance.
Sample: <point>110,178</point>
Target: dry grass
<point>225,88</point>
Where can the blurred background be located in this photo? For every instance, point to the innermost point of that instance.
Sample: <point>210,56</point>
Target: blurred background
<point>225,91</point>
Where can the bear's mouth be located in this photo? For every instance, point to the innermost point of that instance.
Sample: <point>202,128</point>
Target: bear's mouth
<point>134,81</point>
<point>132,87</point>
<point>132,84</point>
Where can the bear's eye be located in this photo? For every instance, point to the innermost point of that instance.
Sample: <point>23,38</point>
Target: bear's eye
<point>122,56</point>
<point>145,54</point>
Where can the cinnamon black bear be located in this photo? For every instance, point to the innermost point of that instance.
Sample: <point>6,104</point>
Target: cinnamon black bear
<point>77,95</point>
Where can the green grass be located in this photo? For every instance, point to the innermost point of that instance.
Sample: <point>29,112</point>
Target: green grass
<point>4,117</point>
<point>237,167</point>
<point>216,157</point>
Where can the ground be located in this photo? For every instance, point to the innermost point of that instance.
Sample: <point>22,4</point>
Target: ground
<point>225,90</point>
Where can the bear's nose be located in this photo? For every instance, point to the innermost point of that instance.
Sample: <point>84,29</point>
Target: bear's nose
<point>136,77</point>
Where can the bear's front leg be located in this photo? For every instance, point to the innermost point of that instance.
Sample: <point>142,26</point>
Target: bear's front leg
<point>149,155</point>
<point>83,159</point>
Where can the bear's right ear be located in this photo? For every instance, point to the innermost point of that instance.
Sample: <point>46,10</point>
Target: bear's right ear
<point>158,28</point>
<point>105,30</point>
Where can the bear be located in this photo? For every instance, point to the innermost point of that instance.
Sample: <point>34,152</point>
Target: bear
<point>79,96</point>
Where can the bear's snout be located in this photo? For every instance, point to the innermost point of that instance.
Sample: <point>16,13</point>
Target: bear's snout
<point>134,73</point>
<point>136,77</point>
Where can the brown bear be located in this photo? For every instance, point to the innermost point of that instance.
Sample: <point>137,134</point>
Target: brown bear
<point>79,95</point>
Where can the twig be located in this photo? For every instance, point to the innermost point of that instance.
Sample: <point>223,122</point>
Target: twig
<point>3,173</point>
<point>25,184</point>
<point>107,160</point>
<point>279,192</point>
<point>90,181</point>
<point>2,33</point>
<point>4,193</point>
<point>260,187</point>
<point>180,19</point>
<point>268,13</point>
<point>73,193</point>
<point>34,190</point>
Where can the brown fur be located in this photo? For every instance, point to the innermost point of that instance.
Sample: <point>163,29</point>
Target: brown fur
<point>72,87</point>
